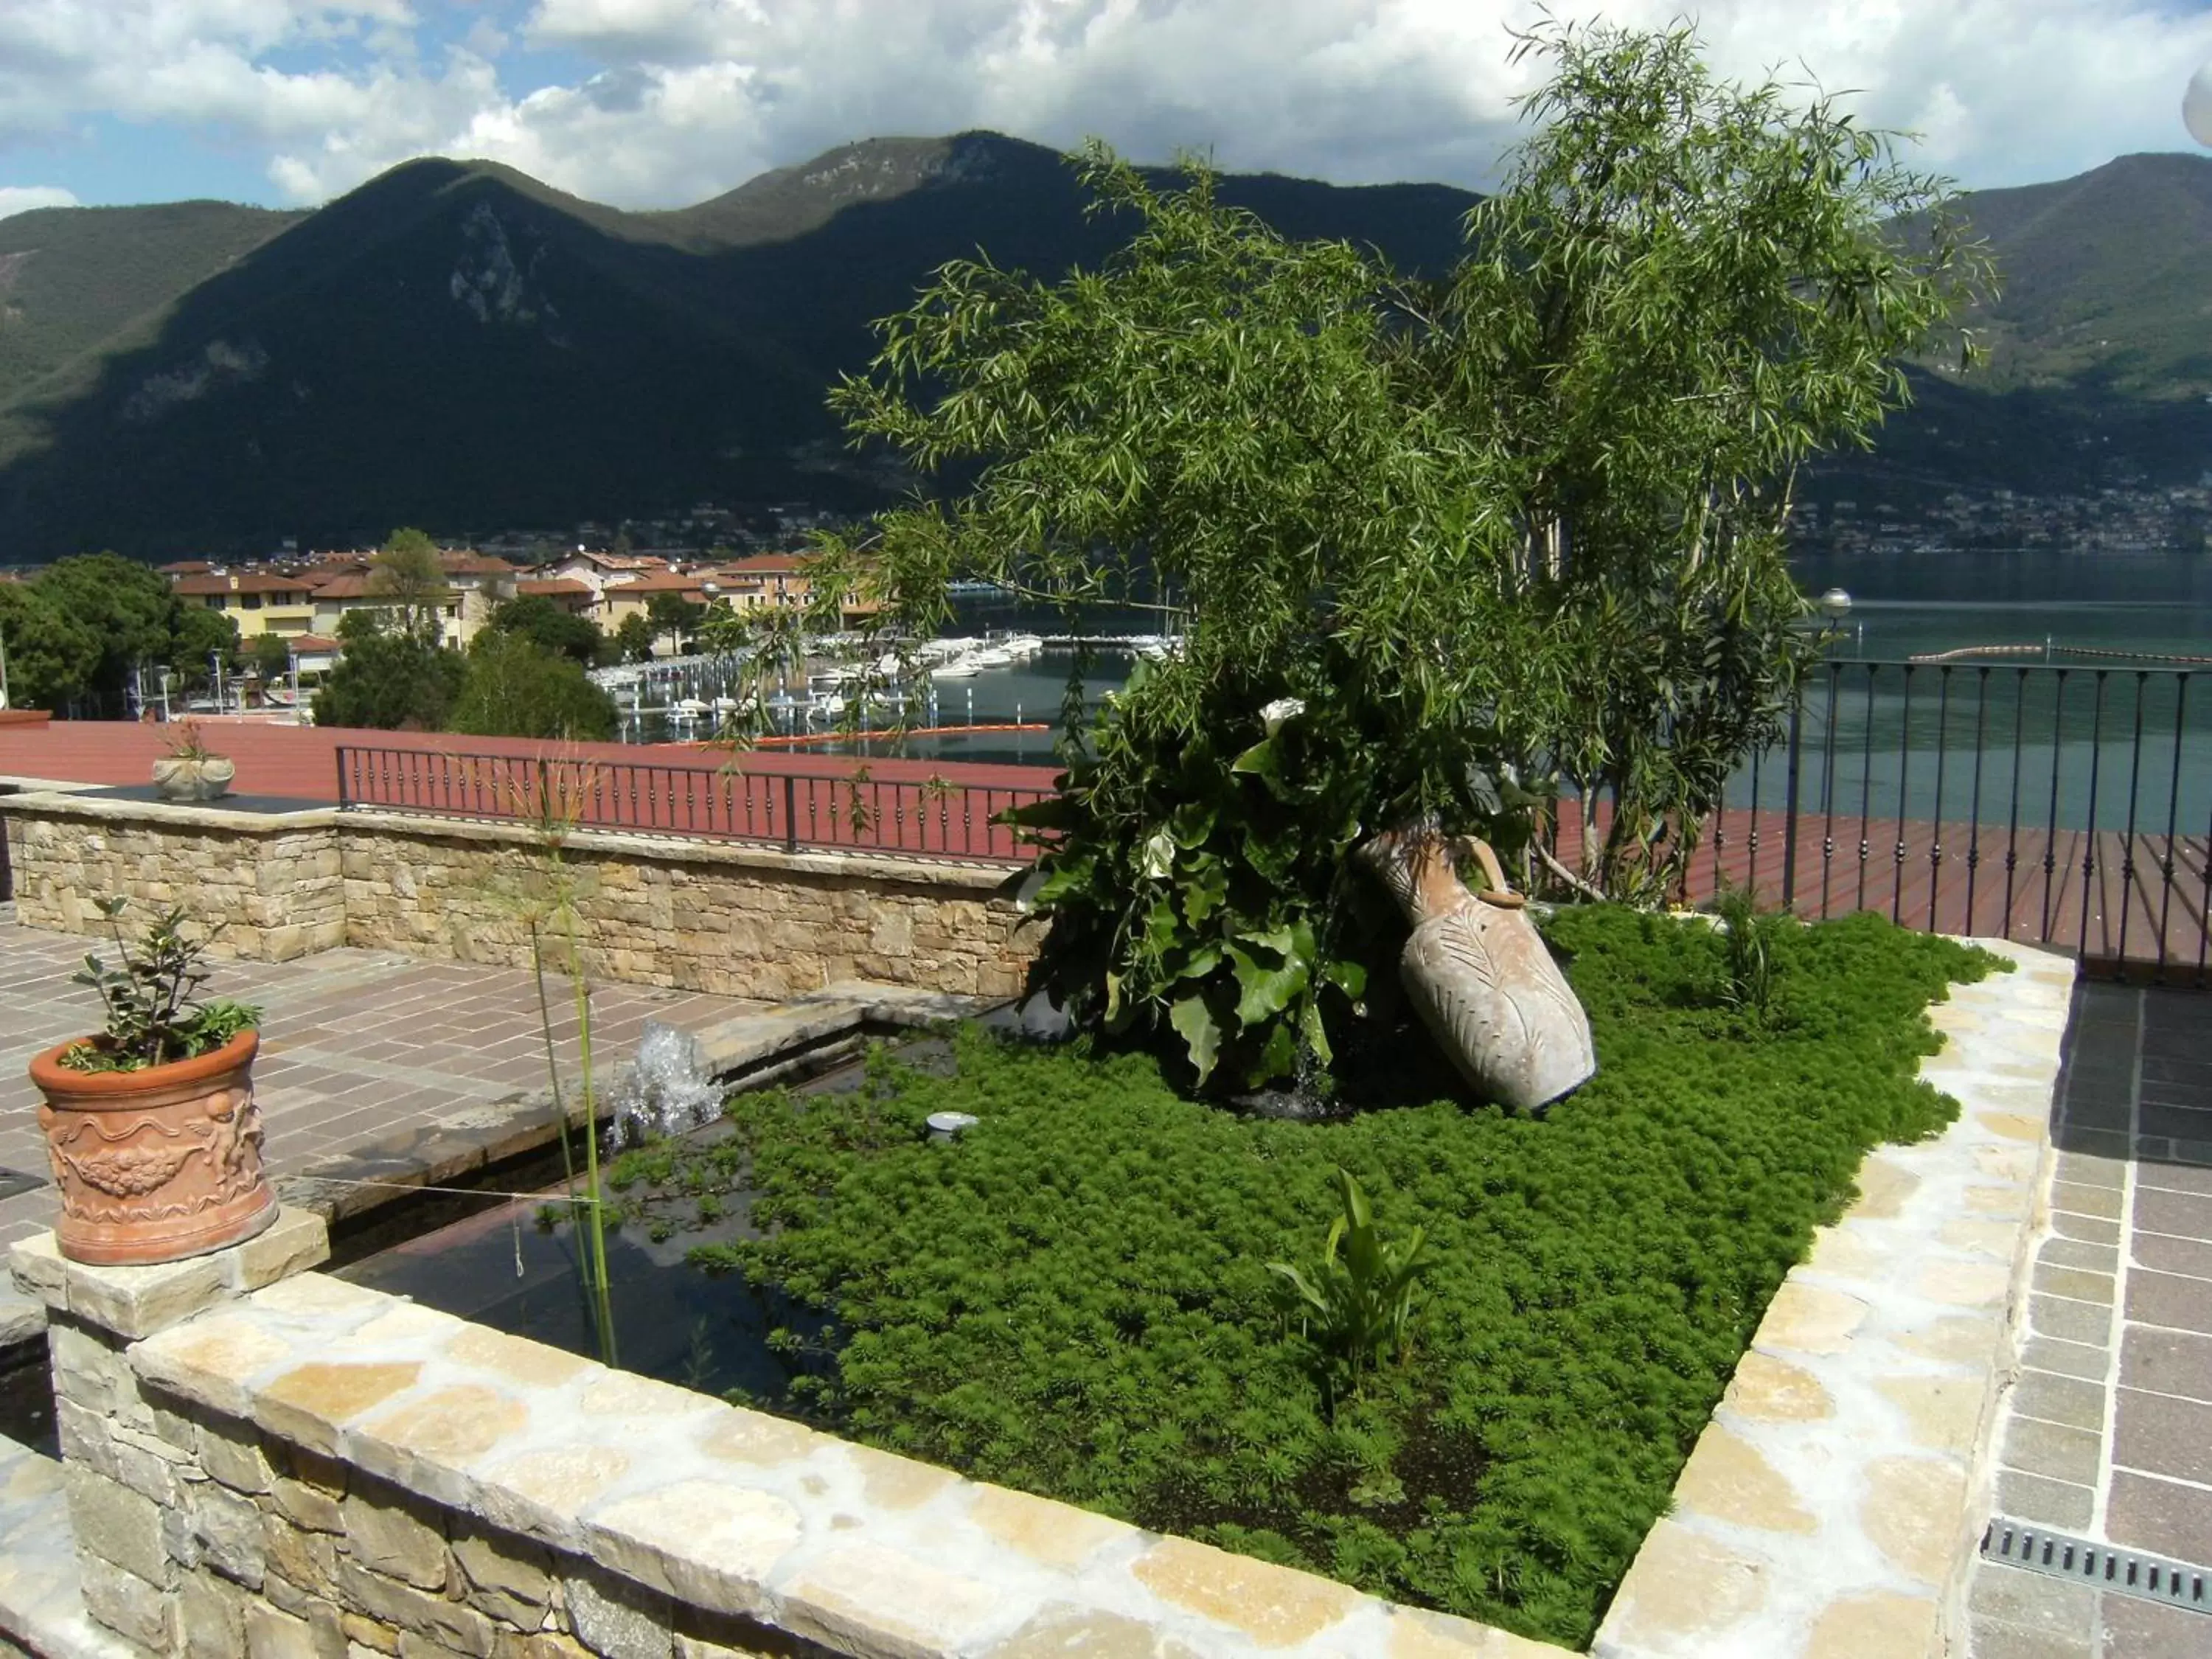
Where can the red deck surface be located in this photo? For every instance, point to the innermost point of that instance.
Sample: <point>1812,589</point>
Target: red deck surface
<point>300,761</point>
<point>2113,898</point>
<point>935,808</point>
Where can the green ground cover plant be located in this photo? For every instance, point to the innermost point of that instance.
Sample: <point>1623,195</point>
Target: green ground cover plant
<point>1076,1297</point>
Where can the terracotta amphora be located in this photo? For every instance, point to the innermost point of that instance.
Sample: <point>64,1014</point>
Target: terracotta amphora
<point>1477,971</point>
<point>158,1165</point>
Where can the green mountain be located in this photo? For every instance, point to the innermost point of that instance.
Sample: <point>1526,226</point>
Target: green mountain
<point>2107,280</point>
<point>457,345</point>
<point>2099,370</point>
<point>73,279</point>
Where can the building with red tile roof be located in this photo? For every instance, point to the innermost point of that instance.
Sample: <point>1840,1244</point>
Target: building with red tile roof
<point>257,601</point>
<point>577,598</point>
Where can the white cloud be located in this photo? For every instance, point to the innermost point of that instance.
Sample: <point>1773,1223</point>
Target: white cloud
<point>659,102</point>
<point>22,199</point>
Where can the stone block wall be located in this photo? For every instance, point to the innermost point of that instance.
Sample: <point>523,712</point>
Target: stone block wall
<point>717,917</point>
<point>276,889</point>
<point>734,920</point>
<point>270,1549</point>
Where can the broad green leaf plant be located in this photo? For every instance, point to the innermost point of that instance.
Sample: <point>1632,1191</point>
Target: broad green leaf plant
<point>1512,539</point>
<point>1356,1306</point>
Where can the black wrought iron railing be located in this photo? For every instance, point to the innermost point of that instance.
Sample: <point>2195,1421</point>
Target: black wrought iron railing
<point>928,817</point>
<point>7,867</point>
<point>2058,805</point>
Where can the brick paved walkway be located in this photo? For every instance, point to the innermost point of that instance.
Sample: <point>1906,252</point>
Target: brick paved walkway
<point>368,1055</point>
<point>2109,1432</point>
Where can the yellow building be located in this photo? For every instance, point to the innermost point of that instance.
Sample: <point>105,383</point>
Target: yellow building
<point>475,584</point>
<point>354,590</point>
<point>258,601</point>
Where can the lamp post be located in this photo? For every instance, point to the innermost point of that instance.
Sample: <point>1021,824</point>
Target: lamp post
<point>1833,605</point>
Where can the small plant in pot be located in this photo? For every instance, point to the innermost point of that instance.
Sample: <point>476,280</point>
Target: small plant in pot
<point>190,770</point>
<point>150,1124</point>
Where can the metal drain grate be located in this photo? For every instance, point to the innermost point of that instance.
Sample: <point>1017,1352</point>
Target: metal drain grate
<point>2129,1572</point>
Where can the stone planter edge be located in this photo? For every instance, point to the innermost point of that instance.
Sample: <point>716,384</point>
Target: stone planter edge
<point>1829,1509</point>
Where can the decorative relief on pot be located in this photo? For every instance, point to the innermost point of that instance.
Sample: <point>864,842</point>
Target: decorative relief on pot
<point>1477,971</point>
<point>126,1172</point>
<point>189,777</point>
<point>141,1154</point>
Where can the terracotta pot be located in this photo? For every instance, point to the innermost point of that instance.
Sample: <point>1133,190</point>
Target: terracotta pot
<point>181,778</point>
<point>158,1165</point>
<point>1477,972</point>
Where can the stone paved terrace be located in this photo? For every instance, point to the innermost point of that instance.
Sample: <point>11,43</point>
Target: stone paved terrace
<point>366,1053</point>
<point>2108,1434</point>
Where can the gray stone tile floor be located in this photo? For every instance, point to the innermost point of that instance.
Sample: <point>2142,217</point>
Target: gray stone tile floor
<point>361,1049</point>
<point>2109,1434</point>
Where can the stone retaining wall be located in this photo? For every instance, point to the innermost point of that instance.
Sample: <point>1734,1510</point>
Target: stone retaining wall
<point>708,916</point>
<point>275,888</point>
<point>297,1465</point>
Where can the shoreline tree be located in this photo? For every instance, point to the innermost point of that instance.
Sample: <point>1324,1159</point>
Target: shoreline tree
<point>634,640</point>
<point>1468,553</point>
<point>79,631</point>
<point>408,575</point>
<point>673,618</point>
<point>538,619</point>
<point>516,687</point>
<point>389,678</point>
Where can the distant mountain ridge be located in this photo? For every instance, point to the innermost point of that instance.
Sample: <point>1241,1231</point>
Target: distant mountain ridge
<point>457,344</point>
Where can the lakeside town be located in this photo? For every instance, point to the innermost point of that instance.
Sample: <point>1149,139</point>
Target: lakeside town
<point>637,580</point>
<point>266,630</point>
<point>2125,518</point>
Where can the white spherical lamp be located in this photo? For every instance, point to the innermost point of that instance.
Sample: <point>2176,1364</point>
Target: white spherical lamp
<point>2196,108</point>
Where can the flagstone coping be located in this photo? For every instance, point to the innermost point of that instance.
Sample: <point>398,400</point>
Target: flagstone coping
<point>1829,1508</point>
<point>737,1512</point>
<point>1824,1512</point>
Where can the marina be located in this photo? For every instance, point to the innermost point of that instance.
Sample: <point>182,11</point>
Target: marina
<point>994,695</point>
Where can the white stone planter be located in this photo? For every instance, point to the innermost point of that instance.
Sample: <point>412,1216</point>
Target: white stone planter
<point>182,778</point>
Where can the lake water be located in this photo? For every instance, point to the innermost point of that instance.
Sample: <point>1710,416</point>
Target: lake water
<point>2050,744</point>
<point>1904,605</point>
<point>2097,720</point>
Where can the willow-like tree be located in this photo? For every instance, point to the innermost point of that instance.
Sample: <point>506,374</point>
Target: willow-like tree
<point>1513,539</point>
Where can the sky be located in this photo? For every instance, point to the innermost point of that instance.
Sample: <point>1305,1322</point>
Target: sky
<point>661,103</point>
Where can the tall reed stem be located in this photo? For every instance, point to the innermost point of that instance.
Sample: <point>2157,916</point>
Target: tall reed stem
<point>552,1064</point>
<point>603,1299</point>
